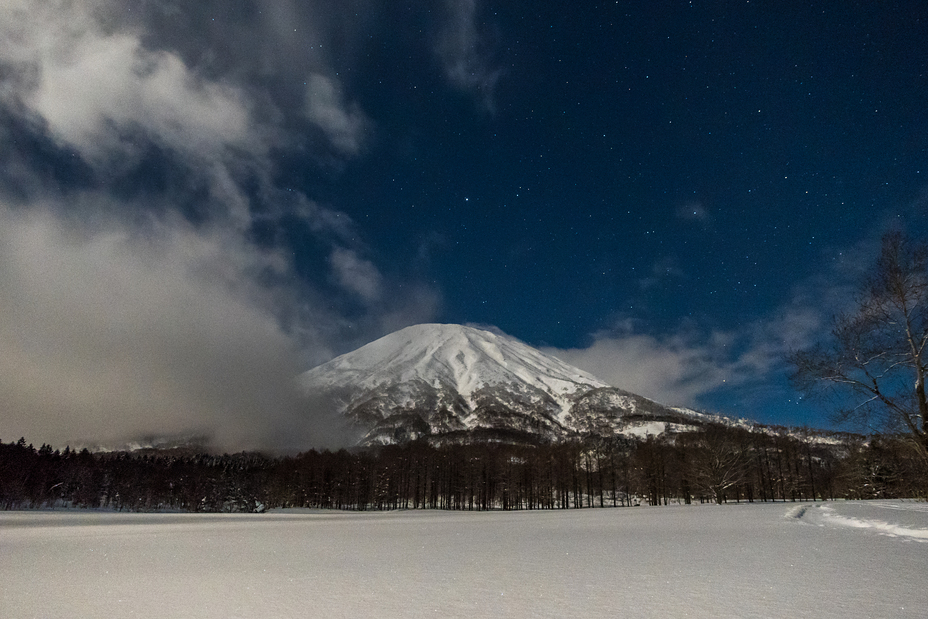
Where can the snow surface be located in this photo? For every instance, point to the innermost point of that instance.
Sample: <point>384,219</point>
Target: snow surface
<point>461,357</point>
<point>841,560</point>
<point>650,428</point>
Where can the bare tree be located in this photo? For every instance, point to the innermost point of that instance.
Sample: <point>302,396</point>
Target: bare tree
<point>876,358</point>
<point>719,461</point>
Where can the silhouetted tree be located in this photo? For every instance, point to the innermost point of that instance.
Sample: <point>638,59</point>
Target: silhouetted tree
<point>877,352</point>
<point>719,462</point>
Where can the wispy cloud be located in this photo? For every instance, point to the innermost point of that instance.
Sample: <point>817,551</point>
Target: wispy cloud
<point>96,85</point>
<point>665,269</point>
<point>674,370</point>
<point>465,48</point>
<point>357,275</point>
<point>693,211</point>
<point>689,365</point>
<point>342,122</point>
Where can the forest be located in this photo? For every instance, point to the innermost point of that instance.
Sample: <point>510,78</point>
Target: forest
<point>716,464</point>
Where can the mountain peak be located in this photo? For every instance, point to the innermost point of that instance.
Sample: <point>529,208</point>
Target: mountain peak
<point>452,356</point>
<point>451,382</point>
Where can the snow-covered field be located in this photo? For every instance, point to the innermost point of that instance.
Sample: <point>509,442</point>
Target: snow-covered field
<point>854,559</point>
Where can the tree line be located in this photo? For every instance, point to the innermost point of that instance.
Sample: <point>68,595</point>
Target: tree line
<point>715,464</point>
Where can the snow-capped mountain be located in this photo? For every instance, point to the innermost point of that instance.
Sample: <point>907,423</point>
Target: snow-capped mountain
<point>450,382</point>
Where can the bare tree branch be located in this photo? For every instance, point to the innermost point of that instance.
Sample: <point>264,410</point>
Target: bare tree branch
<point>877,352</point>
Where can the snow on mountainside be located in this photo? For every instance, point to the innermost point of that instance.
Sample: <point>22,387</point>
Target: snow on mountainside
<point>450,382</point>
<point>451,355</point>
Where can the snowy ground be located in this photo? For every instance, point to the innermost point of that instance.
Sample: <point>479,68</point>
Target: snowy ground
<point>855,559</point>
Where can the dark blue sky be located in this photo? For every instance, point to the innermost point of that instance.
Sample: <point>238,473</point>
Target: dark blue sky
<point>730,144</point>
<point>669,194</point>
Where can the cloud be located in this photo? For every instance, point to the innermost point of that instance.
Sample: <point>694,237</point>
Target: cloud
<point>465,51</point>
<point>177,308</point>
<point>682,368</point>
<point>665,269</point>
<point>97,91</point>
<point>344,124</point>
<point>94,88</point>
<point>694,363</point>
<point>693,211</point>
<point>356,274</point>
<point>108,333</point>
<point>110,86</point>
<point>675,370</point>
<point>111,329</point>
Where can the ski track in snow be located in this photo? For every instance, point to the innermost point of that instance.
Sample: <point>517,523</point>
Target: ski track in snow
<point>745,561</point>
<point>865,515</point>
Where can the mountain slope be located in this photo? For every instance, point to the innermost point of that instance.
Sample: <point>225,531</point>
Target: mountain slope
<point>450,382</point>
<point>461,357</point>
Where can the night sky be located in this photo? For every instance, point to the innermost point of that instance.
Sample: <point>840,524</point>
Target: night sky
<point>198,201</point>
